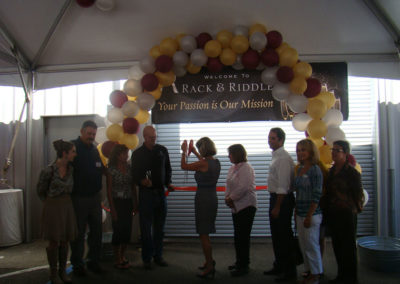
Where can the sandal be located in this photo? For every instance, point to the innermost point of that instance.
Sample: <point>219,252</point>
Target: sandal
<point>122,266</point>
<point>125,261</point>
<point>305,274</point>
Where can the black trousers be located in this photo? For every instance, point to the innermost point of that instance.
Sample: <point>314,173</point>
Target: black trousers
<point>122,227</point>
<point>342,224</point>
<point>88,213</point>
<point>242,224</point>
<point>282,235</point>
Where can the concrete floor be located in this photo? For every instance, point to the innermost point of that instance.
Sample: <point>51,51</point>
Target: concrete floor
<point>26,263</point>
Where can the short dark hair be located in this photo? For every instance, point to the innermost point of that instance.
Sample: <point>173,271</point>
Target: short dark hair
<point>238,153</point>
<point>279,133</point>
<point>344,144</point>
<point>62,146</point>
<point>89,123</point>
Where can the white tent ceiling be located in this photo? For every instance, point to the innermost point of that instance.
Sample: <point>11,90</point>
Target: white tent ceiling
<point>55,38</point>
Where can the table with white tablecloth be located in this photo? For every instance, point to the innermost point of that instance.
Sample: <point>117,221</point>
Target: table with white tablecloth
<point>11,217</point>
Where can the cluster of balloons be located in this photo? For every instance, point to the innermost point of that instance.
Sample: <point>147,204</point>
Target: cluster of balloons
<point>103,5</point>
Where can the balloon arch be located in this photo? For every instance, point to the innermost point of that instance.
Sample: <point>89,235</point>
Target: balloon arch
<point>243,48</point>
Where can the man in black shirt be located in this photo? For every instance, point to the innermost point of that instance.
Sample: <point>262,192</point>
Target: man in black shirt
<point>86,197</point>
<point>151,171</point>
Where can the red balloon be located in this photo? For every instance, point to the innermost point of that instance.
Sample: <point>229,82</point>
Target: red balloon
<point>274,39</point>
<point>118,98</point>
<point>107,147</point>
<point>164,63</point>
<point>313,87</point>
<point>85,3</point>
<point>202,39</point>
<point>214,65</point>
<point>285,74</point>
<point>270,57</point>
<point>250,59</point>
<point>149,82</point>
<point>352,160</point>
<point>130,125</point>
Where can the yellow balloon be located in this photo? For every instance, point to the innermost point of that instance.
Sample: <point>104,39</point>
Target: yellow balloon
<point>283,46</point>
<point>318,142</point>
<point>358,168</point>
<point>240,44</point>
<point>155,51</point>
<point>165,79</point>
<point>327,97</point>
<point>225,37</point>
<point>298,85</point>
<point>302,69</point>
<point>288,57</point>
<point>157,92</point>
<point>213,48</point>
<point>316,128</point>
<point>178,39</point>
<point>228,57</point>
<point>103,158</point>
<point>133,99</point>
<point>257,28</point>
<point>130,140</point>
<point>325,154</point>
<point>316,108</point>
<point>142,116</point>
<point>193,69</point>
<point>114,132</point>
<point>168,46</point>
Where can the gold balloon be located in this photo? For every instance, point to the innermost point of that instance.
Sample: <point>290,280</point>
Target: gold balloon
<point>358,168</point>
<point>178,39</point>
<point>157,92</point>
<point>225,37</point>
<point>155,51</point>
<point>257,28</point>
<point>283,46</point>
<point>298,85</point>
<point>193,69</point>
<point>165,79</point>
<point>103,158</point>
<point>168,46</point>
<point>288,57</point>
<point>114,132</point>
<point>240,44</point>
<point>213,48</point>
<point>316,128</point>
<point>129,140</point>
<point>325,154</point>
<point>327,97</point>
<point>302,69</point>
<point>133,99</point>
<point>316,108</point>
<point>228,57</point>
<point>318,142</point>
<point>142,116</point>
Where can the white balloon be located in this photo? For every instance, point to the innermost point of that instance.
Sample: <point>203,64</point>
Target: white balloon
<point>261,66</point>
<point>145,101</point>
<point>268,76</point>
<point>366,197</point>
<point>132,87</point>
<point>300,121</point>
<point>333,134</point>
<point>101,136</point>
<point>333,117</point>
<point>130,108</point>
<point>241,30</point>
<point>135,72</point>
<point>297,103</point>
<point>103,215</point>
<point>237,66</point>
<point>180,58</point>
<point>105,5</point>
<point>147,64</point>
<point>198,57</point>
<point>115,115</point>
<point>280,91</point>
<point>188,43</point>
<point>179,71</point>
<point>258,40</point>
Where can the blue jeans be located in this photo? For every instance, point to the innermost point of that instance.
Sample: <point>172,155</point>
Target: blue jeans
<point>152,214</point>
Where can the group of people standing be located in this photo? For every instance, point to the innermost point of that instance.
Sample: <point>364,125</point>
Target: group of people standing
<point>70,188</point>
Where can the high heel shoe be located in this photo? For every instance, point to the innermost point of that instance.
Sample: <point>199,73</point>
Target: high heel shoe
<point>207,274</point>
<point>205,265</point>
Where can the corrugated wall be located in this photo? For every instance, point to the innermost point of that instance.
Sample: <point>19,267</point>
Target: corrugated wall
<point>253,135</point>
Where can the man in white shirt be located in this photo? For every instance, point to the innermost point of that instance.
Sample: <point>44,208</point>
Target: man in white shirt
<point>282,202</point>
